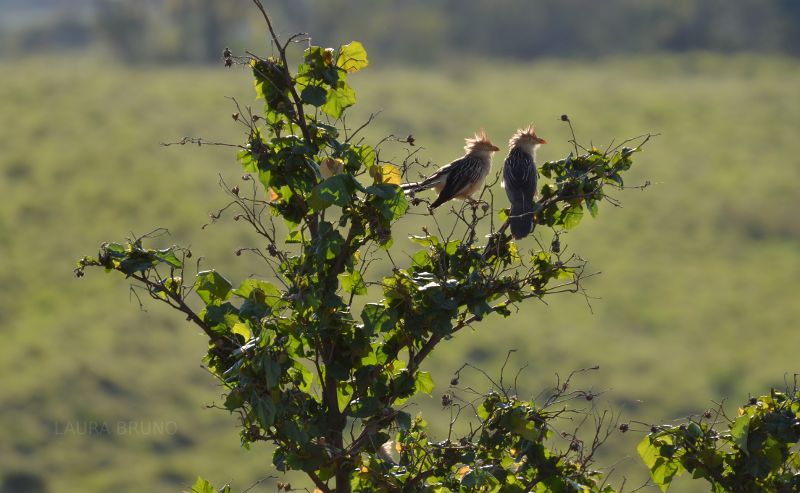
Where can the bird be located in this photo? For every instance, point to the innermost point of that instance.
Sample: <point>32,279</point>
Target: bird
<point>520,178</point>
<point>461,178</point>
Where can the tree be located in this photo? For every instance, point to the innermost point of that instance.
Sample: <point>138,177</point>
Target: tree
<point>327,386</point>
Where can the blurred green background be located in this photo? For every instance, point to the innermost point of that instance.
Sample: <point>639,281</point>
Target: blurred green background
<point>698,297</point>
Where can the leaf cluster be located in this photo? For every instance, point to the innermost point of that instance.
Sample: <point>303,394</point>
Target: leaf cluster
<point>510,449</point>
<point>756,450</point>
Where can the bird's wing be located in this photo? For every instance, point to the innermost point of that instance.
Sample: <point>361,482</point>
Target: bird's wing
<point>519,177</point>
<point>461,173</point>
<point>519,180</point>
<point>428,182</point>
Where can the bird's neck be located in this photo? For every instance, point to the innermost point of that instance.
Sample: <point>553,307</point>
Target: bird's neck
<point>529,149</point>
<point>480,154</point>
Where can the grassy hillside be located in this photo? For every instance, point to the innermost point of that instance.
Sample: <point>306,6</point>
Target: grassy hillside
<point>697,294</point>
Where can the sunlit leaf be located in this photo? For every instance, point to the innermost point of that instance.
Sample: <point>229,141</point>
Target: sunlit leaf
<point>338,99</point>
<point>212,287</point>
<point>387,173</point>
<point>202,486</point>
<point>352,57</point>
<point>424,382</point>
<point>572,216</point>
<point>352,282</point>
<point>243,330</point>
<point>740,432</point>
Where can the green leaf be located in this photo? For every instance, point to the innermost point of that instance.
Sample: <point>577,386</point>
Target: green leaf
<point>572,216</point>
<point>344,392</point>
<point>352,57</point>
<point>272,372</point>
<point>648,451</point>
<point>424,382</point>
<point>503,214</point>
<point>421,259</point>
<point>395,205</point>
<point>336,190</point>
<point>249,164</point>
<point>338,99</point>
<point>469,480</point>
<point>314,95</point>
<point>212,287</point>
<point>377,318</point>
<point>381,191</point>
<point>168,257</point>
<point>233,400</point>
<point>694,430</point>
<point>665,471</point>
<point>265,410</point>
<point>202,486</point>
<point>403,420</point>
<point>353,283</point>
<point>220,318</point>
<point>740,431</point>
<point>243,330</point>
<point>565,273</point>
<point>295,236</point>
<point>305,375</point>
<point>365,155</point>
<point>479,307</point>
<point>249,285</point>
<point>364,407</point>
<point>592,206</point>
<point>426,241</point>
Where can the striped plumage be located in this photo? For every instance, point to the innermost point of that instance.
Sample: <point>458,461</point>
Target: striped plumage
<point>461,178</point>
<point>520,178</point>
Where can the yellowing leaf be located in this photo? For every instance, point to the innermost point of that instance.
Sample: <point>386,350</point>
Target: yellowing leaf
<point>386,173</point>
<point>331,166</point>
<point>390,174</point>
<point>272,195</point>
<point>327,56</point>
<point>513,251</point>
<point>352,57</point>
<point>463,471</point>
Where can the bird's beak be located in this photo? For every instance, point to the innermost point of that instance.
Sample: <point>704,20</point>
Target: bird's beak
<point>541,141</point>
<point>495,148</point>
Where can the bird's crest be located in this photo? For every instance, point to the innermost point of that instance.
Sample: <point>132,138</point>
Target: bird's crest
<point>478,142</point>
<point>525,134</point>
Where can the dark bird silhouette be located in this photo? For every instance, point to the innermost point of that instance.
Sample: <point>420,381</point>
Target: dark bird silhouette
<point>461,178</point>
<point>520,178</point>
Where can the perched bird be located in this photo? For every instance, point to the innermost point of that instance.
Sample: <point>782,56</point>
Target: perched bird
<point>461,178</point>
<point>519,179</point>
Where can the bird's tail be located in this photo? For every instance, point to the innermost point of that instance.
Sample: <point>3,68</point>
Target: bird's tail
<point>521,220</point>
<point>417,186</point>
